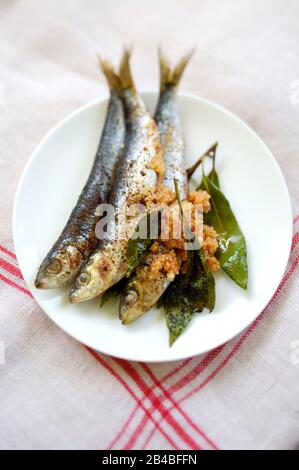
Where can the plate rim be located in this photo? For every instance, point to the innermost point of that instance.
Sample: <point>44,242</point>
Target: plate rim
<point>144,92</point>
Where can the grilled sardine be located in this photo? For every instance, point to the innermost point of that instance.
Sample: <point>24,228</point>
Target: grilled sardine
<point>136,175</point>
<point>78,240</point>
<point>142,291</point>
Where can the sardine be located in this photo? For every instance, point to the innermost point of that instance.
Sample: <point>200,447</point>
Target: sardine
<point>141,292</point>
<point>135,177</point>
<point>78,240</point>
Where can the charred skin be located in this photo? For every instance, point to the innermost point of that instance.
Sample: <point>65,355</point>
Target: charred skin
<point>134,177</point>
<point>78,239</point>
<point>142,292</point>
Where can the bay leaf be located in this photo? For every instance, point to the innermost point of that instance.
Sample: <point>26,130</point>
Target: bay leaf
<point>232,252</point>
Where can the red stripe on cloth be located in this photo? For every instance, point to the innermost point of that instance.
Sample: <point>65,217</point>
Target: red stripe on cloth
<point>119,378</point>
<point>177,369</point>
<point>235,348</point>
<point>15,285</point>
<point>7,252</point>
<point>139,428</point>
<point>181,365</point>
<point>120,433</point>
<point>296,218</point>
<point>163,379</point>
<point>202,365</point>
<point>245,335</point>
<point>104,364</point>
<point>197,370</point>
<point>131,392</point>
<point>170,419</point>
<point>158,404</point>
<point>10,268</point>
<point>200,369</point>
<point>295,240</point>
<point>168,396</point>
<point>184,380</point>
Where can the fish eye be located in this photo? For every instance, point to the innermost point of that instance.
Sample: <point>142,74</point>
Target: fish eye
<point>54,266</point>
<point>83,279</point>
<point>131,297</point>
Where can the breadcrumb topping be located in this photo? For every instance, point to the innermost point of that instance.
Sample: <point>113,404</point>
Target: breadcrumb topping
<point>213,263</point>
<point>172,239</point>
<point>157,163</point>
<point>172,235</point>
<point>166,263</point>
<point>200,198</point>
<point>168,254</point>
<point>210,246</point>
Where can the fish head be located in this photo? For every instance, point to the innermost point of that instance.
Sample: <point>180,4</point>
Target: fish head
<point>140,294</point>
<point>131,304</point>
<point>59,268</point>
<point>96,276</point>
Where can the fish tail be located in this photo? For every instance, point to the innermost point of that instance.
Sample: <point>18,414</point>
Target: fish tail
<point>111,76</point>
<point>171,77</point>
<point>125,73</point>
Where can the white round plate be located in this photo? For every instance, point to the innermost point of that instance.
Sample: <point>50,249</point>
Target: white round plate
<point>251,180</point>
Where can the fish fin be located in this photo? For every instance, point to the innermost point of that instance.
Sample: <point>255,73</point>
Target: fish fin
<point>125,73</point>
<point>171,77</point>
<point>110,74</point>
